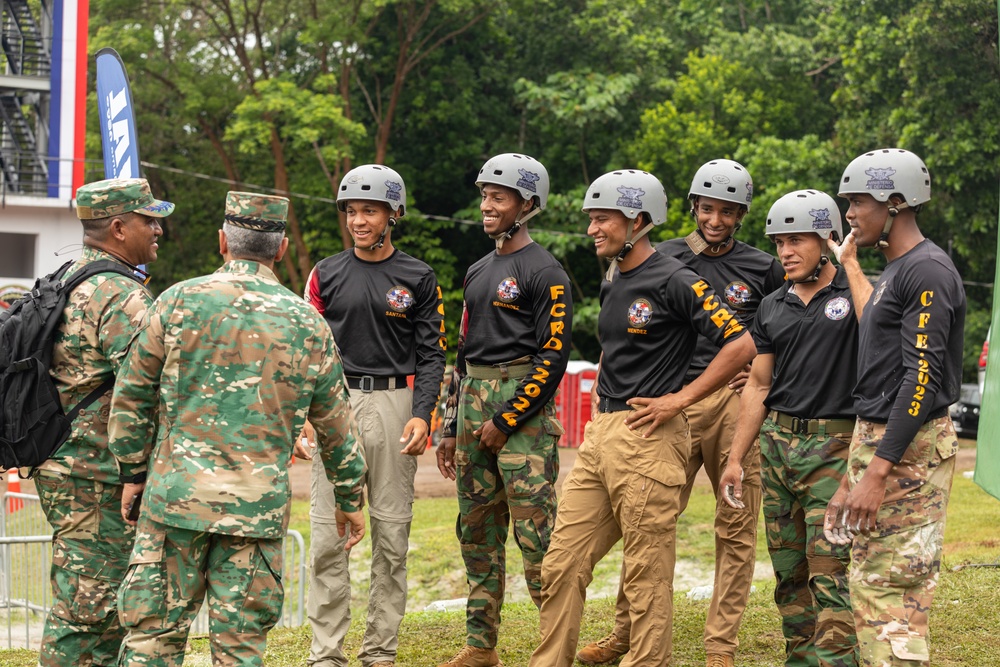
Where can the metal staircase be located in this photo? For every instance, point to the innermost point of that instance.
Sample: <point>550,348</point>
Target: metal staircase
<point>25,67</point>
<point>22,166</point>
<point>22,41</point>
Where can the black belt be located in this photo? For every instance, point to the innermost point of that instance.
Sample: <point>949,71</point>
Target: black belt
<point>812,426</point>
<point>937,414</point>
<point>370,383</point>
<point>612,405</point>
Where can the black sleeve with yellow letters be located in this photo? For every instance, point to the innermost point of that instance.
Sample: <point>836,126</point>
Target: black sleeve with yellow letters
<point>910,352</point>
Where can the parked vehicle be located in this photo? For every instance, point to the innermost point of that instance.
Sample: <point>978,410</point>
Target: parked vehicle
<point>965,412</point>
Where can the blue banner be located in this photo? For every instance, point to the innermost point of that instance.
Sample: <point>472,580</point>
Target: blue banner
<point>117,117</point>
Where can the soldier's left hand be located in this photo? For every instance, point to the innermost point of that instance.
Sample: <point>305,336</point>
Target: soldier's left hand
<point>652,411</point>
<point>490,437</point>
<point>740,379</point>
<point>353,520</point>
<point>414,438</point>
<point>131,493</point>
<point>861,506</point>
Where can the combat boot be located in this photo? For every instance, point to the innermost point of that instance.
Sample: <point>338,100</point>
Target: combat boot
<point>473,656</point>
<point>604,651</point>
<point>719,660</point>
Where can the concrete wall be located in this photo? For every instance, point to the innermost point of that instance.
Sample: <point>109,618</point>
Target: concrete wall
<point>32,231</point>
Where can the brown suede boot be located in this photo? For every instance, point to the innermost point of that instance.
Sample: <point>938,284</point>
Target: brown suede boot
<point>719,660</point>
<point>473,656</point>
<point>604,651</point>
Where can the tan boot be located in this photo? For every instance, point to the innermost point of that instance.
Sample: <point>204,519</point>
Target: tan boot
<point>604,651</point>
<point>719,660</point>
<point>473,656</point>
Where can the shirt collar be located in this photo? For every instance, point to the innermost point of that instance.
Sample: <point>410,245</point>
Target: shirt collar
<point>247,267</point>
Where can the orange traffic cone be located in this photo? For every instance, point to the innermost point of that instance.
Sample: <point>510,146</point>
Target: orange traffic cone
<point>13,486</point>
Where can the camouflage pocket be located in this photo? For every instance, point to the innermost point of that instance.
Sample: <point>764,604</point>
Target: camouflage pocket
<point>511,460</point>
<point>945,440</point>
<point>265,594</point>
<point>143,594</point>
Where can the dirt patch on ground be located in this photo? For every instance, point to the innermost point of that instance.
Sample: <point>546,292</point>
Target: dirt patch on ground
<point>430,484</point>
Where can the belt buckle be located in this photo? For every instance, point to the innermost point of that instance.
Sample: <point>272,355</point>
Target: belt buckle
<point>504,374</point>
<point>796,425</point>
<point>367,384</point>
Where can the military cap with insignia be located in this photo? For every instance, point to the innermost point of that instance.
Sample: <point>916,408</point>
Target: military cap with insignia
<point>261,213</point>
<point>116,196</point>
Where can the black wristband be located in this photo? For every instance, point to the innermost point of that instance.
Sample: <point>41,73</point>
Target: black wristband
<point>137,478</point>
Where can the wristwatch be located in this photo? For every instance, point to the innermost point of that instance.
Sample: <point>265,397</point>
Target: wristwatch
<point>137,478</point>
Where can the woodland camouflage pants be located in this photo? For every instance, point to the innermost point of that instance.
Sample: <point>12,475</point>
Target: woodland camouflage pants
<point>518,482</point>
<point>800,474</point>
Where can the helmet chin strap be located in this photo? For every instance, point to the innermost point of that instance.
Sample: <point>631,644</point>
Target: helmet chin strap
<point>715,248</point>
<point>629,244</point>
<point>883,239</point>
<point>823,261</point>
<point>381,237</point>
<point>519,222</point>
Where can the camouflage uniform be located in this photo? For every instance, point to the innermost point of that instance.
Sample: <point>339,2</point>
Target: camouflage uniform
<point>519,482</point>
<point>894,571</point>
<point>78,487</point>
<point>800,475</point>
<point>235,363</point>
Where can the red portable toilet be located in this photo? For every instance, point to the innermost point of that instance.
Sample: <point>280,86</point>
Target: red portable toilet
<point>573,401</point>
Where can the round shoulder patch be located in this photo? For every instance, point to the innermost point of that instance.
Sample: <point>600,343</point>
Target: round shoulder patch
<point>640,313</point>
<point>507,290</point>
<point>737,293</point>
<point>399,298</point>
<point>837,308</point>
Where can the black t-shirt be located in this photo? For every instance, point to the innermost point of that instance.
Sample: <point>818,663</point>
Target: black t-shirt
<point>649,322</point>
<point>519,305</point>
<point>815,350</point>
<point>387,318</point>
<point>743,277</point>
<point>910,352</point>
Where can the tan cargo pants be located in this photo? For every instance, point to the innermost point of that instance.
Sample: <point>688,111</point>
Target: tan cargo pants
<point>622,486</point>
<point>713,423</point>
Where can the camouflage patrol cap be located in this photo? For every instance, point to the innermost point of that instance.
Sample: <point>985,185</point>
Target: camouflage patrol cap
<point>115,196</point>
<point>261,213</point>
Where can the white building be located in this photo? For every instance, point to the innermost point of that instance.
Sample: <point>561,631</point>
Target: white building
<point>43,75</point>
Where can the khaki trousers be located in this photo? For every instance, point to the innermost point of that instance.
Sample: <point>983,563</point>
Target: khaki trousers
<point>622,486</point>
<point>381,417</point>
<point>713,424</point>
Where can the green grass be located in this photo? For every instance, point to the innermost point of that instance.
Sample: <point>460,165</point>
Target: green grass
<point>963,620</point>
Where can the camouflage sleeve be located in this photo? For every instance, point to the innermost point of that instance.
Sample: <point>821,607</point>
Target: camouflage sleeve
<point>331,416</point>
<point>132,423</point>
<point>122,311</point>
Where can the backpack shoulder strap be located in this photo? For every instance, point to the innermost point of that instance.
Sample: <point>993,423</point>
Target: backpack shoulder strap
<point>94,268</point>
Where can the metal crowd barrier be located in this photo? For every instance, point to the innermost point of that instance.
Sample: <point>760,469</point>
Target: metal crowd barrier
<point>26,559</point>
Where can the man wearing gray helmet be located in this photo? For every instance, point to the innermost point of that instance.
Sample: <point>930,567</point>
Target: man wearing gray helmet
<point>513,348</point>
<point>797,403</point>
<point>630,470</point>
<point>894,497</point>
<point>720,197</point>
<point>385,310</point>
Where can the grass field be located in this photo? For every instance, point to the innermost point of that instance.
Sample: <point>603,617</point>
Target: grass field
<point>964,620</point>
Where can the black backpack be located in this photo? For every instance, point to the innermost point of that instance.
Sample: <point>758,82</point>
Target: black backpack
<point>33,424</point>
